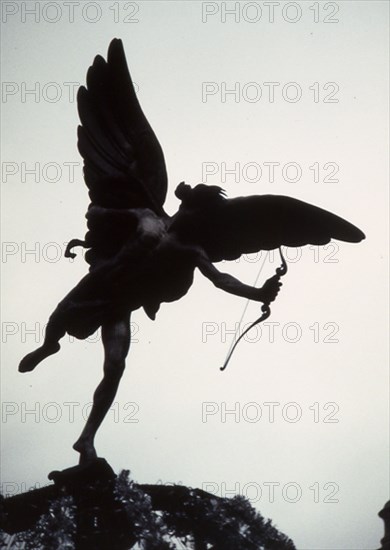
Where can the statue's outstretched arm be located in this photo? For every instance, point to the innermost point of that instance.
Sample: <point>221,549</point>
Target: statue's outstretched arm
<point>230,284</point>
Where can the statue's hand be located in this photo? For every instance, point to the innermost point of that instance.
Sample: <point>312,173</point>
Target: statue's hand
<point>268,292</point>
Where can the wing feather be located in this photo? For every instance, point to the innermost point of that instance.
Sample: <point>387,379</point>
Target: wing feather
<point>246,225</point>
<point>124,165</point>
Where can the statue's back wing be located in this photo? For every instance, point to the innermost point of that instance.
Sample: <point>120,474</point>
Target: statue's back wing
<point>124,165</point>
<point>246,225</point>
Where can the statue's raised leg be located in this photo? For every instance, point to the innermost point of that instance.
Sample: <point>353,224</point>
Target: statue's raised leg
<point>116,342</point>
<point>54,333</point>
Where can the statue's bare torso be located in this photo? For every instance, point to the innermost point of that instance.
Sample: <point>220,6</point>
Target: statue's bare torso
<point>166,269</point>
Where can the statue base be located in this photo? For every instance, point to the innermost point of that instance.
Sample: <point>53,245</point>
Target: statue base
<point>89,506</point>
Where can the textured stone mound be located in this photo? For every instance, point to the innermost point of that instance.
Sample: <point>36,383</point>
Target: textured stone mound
<point>91,507</point>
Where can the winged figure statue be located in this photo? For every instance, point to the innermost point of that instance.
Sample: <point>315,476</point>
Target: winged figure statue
<point>138,255</point>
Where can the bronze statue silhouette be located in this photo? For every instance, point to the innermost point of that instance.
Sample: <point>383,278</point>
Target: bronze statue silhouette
<point>138,255</point>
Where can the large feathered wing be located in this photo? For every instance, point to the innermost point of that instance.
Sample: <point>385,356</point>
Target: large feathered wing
<point>124,165</point>
<point>249,224</point>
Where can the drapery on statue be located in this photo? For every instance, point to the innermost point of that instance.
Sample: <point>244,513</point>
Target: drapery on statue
<point>138,255</point>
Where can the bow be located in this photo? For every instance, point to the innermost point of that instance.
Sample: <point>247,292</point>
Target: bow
<point>265,308</point>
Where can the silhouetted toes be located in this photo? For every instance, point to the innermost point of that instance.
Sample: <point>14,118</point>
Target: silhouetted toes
<point>31,360</point>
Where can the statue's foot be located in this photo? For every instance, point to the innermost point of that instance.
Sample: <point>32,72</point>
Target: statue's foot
<point>77,477</point>
<point>31,360</point>
<point>87,451</point>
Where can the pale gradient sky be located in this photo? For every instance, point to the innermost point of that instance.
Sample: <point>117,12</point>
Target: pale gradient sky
<point>171,371</point>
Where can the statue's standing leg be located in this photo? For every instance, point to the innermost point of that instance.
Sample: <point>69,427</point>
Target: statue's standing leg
<point>116,343</point>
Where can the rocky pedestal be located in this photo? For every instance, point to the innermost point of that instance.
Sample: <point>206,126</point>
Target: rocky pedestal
<point>89,506</point>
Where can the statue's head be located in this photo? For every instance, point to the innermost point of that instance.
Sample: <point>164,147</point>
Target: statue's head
<point>200,195</point>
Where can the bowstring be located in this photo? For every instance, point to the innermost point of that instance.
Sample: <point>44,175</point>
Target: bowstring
<point>234,340</point>
<point>266,310</point>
